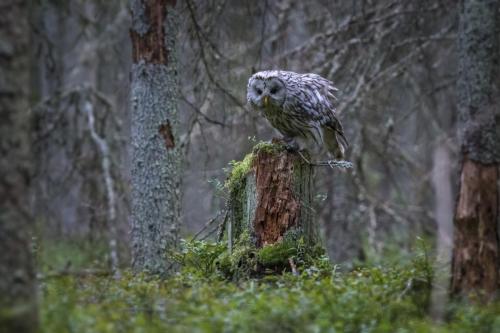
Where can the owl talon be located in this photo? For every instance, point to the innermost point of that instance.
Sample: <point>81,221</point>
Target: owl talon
<point>291,145</point>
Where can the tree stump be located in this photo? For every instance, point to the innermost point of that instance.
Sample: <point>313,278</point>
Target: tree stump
<point>270,224</point>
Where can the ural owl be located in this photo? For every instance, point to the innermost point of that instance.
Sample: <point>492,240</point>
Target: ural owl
<point>299,106</point>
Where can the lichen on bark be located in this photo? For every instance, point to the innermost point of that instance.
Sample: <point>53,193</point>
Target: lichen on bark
<point>155,156</point>
<point>478,65</point>
<point>140,23</point>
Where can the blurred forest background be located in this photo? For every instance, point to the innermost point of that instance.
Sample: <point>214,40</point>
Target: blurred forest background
<point>394,63</point>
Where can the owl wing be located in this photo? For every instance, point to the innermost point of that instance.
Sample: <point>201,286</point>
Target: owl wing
<point>313,97</point>
<point>331,127</point>
<point>321,93</point>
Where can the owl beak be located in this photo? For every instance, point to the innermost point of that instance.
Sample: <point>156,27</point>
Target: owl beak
<point>266,101</point>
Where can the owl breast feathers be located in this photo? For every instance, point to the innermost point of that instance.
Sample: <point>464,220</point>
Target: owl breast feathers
<point>298,106</point>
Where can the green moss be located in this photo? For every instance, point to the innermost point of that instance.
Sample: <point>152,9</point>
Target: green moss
<point>239,169</point>
<point>268,147</point>
<point>303,254</point>
<point>247,261</point>
<point>235,184</point>
<point>242,261</point>
<point>276,254</point>
<point>238,173</point>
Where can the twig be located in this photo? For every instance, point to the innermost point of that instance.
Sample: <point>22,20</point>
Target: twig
<point>293,267</point>
<point>103,147</point>
<point>207,224</point>
<point>210,233</point>
<point>408,287</point>
<point>204,60</point>
<point>222,227</point>
<point>198,111</point>
<point>330,163</point>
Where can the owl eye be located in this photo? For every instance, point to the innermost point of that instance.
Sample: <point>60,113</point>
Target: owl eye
<point>259,91</point>
<point>274,90</point>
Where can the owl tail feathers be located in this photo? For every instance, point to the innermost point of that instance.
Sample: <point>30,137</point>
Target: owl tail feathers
<point>335,142</point>
<point>341,139</point>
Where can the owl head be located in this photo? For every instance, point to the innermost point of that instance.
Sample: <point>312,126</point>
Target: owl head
<point>266,89</point>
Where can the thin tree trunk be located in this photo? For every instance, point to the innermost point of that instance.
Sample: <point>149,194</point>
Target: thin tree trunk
<point>343,239</point>
<point>18,310</point>
<point>155,149</point>
<point>443,210</point>
<point>476,249</point>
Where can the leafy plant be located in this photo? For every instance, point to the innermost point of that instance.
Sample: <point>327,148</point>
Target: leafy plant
<point>199,256</point>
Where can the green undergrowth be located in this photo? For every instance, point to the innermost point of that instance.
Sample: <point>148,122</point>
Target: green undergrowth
<point>74,254</point>
<point>248,261</point>
<point>207,259</point>
<point>318,298</point>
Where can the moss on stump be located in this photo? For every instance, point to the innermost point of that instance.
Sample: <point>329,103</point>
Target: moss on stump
<point>270,215</point>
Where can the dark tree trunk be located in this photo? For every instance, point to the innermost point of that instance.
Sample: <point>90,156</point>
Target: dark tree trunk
<point>476,249</point>
<point>18,310</point>
<point>155,150</point>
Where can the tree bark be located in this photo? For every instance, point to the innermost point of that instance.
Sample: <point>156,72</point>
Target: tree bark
<point>155,150</point>
<point>18,310</point>
<point>475,265</point>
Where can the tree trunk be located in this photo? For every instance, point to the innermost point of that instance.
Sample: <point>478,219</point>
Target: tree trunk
<point>155,149</point>
<point>341,228</point>
<point>476,249</point>
<point>443,211</point>
<point>270,214</point>
<point>18,310</point>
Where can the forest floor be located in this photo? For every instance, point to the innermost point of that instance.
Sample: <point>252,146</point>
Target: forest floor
<point>321,298</point>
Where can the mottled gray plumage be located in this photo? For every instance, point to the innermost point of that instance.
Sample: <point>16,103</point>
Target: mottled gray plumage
<point>298,106</point>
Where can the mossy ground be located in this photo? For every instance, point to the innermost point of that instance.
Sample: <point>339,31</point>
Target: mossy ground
<point>387,296</point>
<point>320,299</point>
<point>248,261</point>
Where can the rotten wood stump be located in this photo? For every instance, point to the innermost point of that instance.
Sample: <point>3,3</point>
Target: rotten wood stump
<point>271,202</point>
